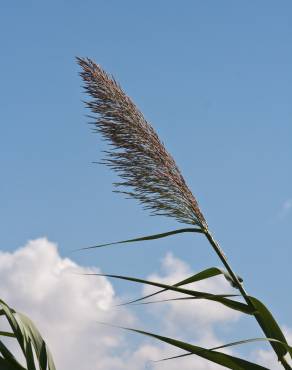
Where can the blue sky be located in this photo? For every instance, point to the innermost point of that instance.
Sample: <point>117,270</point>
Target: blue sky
<point>214,79</point>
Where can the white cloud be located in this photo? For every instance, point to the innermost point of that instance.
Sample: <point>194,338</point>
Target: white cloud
<point>36,280</point>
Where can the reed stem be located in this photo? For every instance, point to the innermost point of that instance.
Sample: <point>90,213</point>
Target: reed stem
<point>238,285</point>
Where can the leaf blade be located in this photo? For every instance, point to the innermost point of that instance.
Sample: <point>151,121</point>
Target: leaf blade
<point>227,302</point>
<point>204,274</point>
<point>7,365</point>
<point>42,351</point>
<point>8,356</point>
<point>148,237</point>
<point>270,327</point>
<point>27,336</point>
<point>219,358</point>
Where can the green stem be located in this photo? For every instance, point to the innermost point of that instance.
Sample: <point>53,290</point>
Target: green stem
<point>238,284</point>
<point>223,259</point>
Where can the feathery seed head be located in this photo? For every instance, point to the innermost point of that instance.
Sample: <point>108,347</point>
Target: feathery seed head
<point>149,173</point>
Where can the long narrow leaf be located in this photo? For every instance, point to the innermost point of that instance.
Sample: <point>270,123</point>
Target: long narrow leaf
<point>206,274</point>
<point>7,334</point>
<point>181,299</point>
<point>21,336</point>
<point>7,365</point>
<point>270,327</point>
<point>7,355</point>
<point>252,340</point>
<point>29,356</point>
<point>219,358</point>
<point>149,237</point>
<point>202,275</point>
<point>29,339</point>
<point>42,352</point>
<point>13,324</point>
<point>242,307</point>
<point>240,342</point>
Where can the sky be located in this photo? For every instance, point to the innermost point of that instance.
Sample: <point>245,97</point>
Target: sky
<point>214,79</point>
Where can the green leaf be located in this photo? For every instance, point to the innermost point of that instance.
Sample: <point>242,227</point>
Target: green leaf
<point>240,342</point>
<point>42,352</point>
<point>252,340</point>
<point>7,334</point>
<point>7,355</point>
<point>13,324</point>
<point>270,327</point>
<point>242,307</point>
<point>29,356</point>
<point>7,365</point>
<point>20,335</point>
<point>205,274</point>
<point>29,339</point>
<point>180,299</point>
<point>149,237</point>
<point>219,358</point>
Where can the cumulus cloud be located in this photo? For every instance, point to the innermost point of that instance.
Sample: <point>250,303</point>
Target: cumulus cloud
<point>36,280</point>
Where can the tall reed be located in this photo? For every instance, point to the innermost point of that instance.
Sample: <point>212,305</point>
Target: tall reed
<point>150,175</point>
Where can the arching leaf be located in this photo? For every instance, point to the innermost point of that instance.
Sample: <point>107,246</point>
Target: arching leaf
<point>149,237</point>
<point>242,307</point>
<point>230,362</point>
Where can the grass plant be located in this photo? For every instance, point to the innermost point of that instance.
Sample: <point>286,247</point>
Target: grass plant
<point>34,349</point>
<point>150,175</point>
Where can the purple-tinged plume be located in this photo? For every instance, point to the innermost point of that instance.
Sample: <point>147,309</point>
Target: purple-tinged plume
<point>149,173</point>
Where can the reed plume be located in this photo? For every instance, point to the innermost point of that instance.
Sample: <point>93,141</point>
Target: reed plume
<point>149,173</point>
